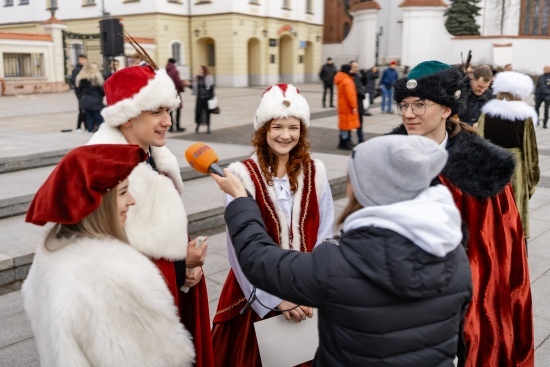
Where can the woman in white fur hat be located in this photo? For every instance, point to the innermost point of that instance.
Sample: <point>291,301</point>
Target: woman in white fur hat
<point>509,122</point>
<point>295,200</point>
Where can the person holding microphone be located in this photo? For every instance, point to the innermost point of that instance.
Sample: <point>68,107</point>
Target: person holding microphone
<point>295,201</point>
<point>392,291</point>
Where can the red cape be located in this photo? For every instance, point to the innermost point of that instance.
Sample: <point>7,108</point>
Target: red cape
<point>498,329</point>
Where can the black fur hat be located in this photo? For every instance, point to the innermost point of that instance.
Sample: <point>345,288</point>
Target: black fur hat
<point>436,81</point>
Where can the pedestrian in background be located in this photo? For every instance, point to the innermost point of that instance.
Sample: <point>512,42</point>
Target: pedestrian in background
<point>327,73</point>
<point>203,89</point>
<point>498,329</point>
<point>389,76</point>
<point>92,299</point>
<point>354,72</point>
<point>348,118</point>
<point>369,78</point>
<point>542,95</point>
<point>89,83</point>
<point>392,291</point>
<point>480,81</point>
<point>81,119</point>
<point>174,74</point>
<point>509,122</point>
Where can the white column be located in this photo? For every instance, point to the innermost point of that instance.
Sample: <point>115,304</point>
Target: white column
<point>361,39</point>
<point>58,74</point>
<point>425,36</point>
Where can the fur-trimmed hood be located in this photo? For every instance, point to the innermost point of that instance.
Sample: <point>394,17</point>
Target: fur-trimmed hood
<point>157,223</point>
<point>99,302</point>
<point>510,110</point>
<point>476,166</point>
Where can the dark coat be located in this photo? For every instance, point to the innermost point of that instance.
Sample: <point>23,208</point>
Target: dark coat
<point>359,86</point>
<point>389,76</point>
<point>382,301</point>
<point>91,96</point>
<point>543,86</point>
<point>175,76</point>
<point>369,81</point>
<point>474,103</point>
<point>327,73</point>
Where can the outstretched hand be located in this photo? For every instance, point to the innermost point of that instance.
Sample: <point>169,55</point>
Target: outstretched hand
<point>230,184</point>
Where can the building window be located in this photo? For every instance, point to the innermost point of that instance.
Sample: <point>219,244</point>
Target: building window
<point>8,2</point>
<point>23,65</point>
<point>210,55</point>
<point>286,4</point>
<point>176,52</point>
<point>88,2</point>
<point>23,2</point>
<point>255,2</point>
<point>309,6</point>
<point>534,17</point>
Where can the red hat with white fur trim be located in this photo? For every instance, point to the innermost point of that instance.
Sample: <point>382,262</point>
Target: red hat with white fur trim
<point>135,89</point>
<point>281,101</point>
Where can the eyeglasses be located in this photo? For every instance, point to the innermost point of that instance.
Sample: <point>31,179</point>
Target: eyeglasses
<point>418,108</point>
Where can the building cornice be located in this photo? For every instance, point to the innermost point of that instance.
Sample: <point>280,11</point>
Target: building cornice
<point>26,36</point>
<point>369,5</point>
<point>411,3</point>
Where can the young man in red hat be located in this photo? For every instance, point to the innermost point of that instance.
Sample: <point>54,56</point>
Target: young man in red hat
<point>139,102</point>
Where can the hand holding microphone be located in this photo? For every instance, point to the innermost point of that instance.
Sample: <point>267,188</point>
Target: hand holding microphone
<point>203,159</point>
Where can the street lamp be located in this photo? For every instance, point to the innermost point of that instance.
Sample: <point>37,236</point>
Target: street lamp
<point>52,10</point>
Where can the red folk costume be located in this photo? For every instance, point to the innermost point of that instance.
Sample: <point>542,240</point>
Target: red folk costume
<point>157,224</point>
<point>310,221</point>
<point>498,329</point>
<point>233,334</point>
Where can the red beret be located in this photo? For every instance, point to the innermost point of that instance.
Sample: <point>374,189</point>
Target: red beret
<point>75,187</point>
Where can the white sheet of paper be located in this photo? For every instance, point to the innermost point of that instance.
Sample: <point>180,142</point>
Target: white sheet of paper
<point>285,343</point>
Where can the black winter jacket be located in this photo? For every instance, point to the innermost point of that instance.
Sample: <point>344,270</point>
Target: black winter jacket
<point>327,73</point>
<point>91,97</point>
<point>382,301</point>
<point>473,107</point>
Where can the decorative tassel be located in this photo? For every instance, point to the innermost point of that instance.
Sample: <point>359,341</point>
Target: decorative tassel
<point>148,59</point>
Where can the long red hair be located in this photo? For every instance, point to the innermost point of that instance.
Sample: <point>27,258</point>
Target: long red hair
<point>298,156</point>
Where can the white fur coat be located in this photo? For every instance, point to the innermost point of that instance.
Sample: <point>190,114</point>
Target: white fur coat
<point>101,303</point>
<point>157,224</point>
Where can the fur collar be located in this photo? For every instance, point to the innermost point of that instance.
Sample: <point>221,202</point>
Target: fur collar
<point>157,223</point>
<point>476,166</point>
<point>166,162</point>
<point>240,170</point>
<point>510,110</point>
<point>125,314</point>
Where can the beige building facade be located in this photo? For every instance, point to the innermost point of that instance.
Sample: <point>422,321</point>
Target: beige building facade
<point>242,42</point>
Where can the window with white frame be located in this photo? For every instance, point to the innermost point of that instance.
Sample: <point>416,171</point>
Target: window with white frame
<point>286,4</point>
<point>8,2</point>
<point>88,2</point>
<point>309,6</point>
<point>23,2</point>
<point>17,65</point>
<point>177,52</point>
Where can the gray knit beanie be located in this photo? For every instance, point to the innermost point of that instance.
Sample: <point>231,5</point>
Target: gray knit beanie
<point>393,168</point>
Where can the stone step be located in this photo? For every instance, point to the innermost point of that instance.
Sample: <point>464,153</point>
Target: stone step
<point>20,186</point>
<point>203,202</point>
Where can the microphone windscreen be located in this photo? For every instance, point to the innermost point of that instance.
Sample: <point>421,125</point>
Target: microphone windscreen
<point>200,156</point>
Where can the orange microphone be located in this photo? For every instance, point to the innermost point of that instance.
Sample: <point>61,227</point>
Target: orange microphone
<point>203,159</point>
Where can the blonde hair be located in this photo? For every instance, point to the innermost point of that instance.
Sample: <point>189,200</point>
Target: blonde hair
<point>101,223</point>
<point>91,72</point>
<point>507,96</point>
<point>352,206</point>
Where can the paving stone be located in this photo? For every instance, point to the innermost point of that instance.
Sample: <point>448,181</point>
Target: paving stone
<point>6,262</point>
<point>21,354</point>
<point>11,304</point>
<point>540,290</point>
<point>542,330</point>
<point>14,328</point>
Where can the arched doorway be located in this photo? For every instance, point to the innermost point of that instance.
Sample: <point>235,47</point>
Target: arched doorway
<point>286,59</point>
<point>254,70</point>
<point>310,74</point>
<point>206,55</point>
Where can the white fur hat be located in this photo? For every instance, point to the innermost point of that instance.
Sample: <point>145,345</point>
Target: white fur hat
<point>135,89</point>
<point>281,101</point>
<point>517,84</point>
